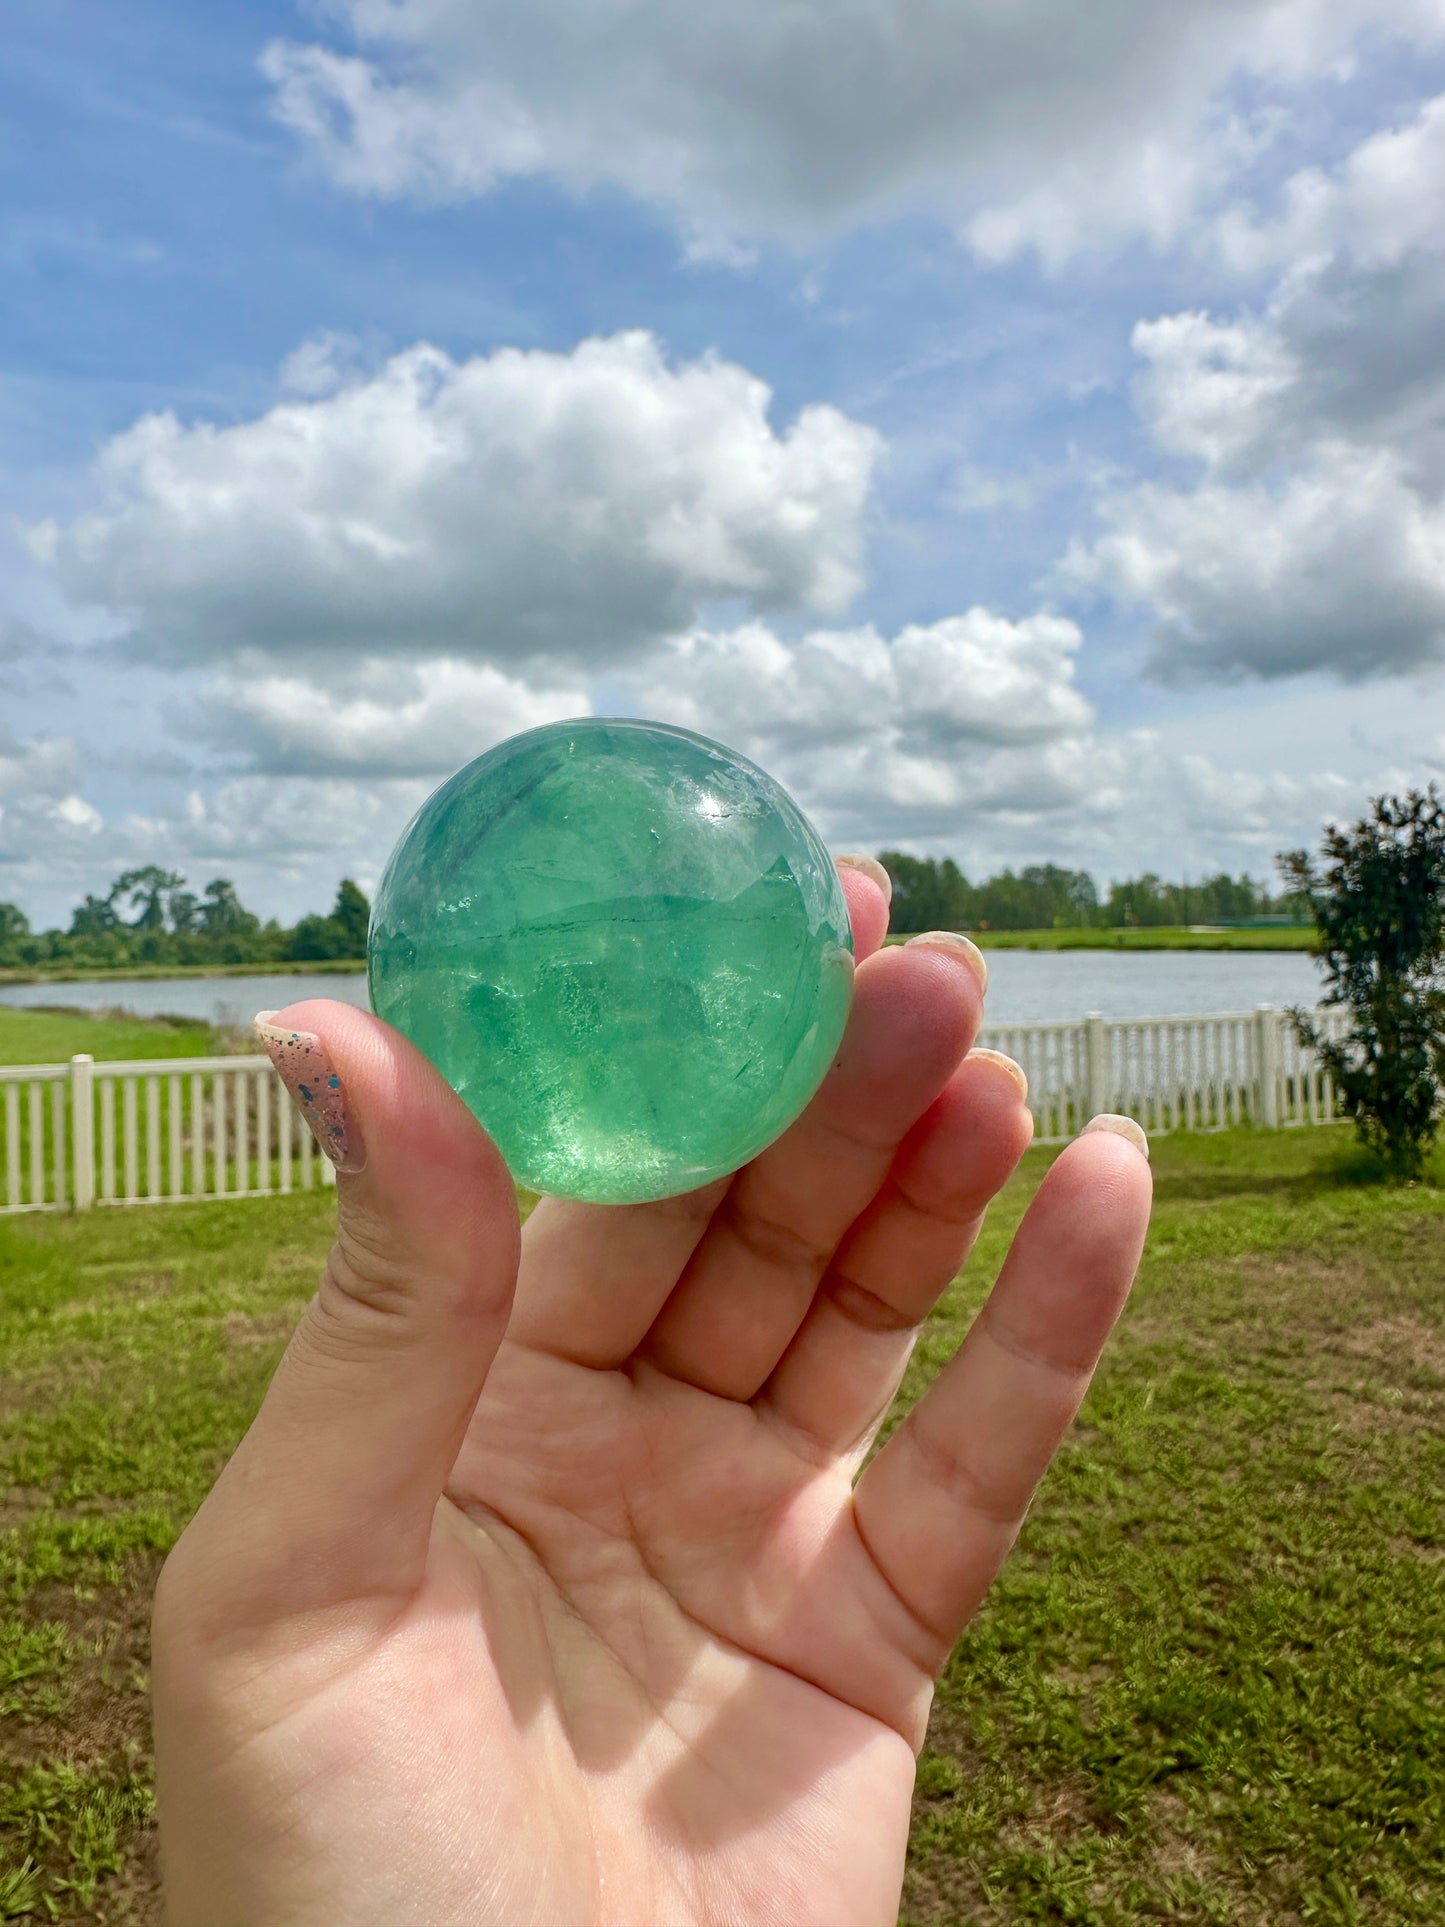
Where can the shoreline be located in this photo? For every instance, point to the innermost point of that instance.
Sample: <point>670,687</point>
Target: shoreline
<point>1285,937</point>
<point>1288,937</point>
<point>161,973</point>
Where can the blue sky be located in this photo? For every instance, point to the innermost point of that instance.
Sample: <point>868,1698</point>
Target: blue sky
<point>1021,431</point>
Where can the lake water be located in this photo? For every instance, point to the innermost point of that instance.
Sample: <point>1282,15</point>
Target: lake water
<point>1024,986</point>
<point>217,1000</point>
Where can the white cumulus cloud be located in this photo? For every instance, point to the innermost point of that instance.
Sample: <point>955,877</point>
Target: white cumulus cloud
<point>1379,206</point>
<point>513,507</point>
<point>1039,124</point>
<point>934,693</point>
<point>965,680</point>
<point>1340,567</point>
<point>77,814</point>
<point>942,724</point>
<point>967,735</point>
<point>383,719</point>
<point>47,828</point>
<point>1314,534</point>
<point>945,723</point>
<point>321,364</point>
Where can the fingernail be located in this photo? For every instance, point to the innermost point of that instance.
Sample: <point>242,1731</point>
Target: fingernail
<point>1015,1071</point>
<point>306,1070</point>
<point>960,946</point>
<point>871,867</point>
<point>1124,1127</point>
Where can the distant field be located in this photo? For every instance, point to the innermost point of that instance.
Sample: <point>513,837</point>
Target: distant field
<point>52,1036</point>
<point>1166,937</point>
<point>149,973</point>
<point>1206,1689</point>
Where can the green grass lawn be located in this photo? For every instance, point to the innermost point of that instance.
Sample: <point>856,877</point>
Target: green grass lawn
<point>54,1036</point>
<point>1208,1688</point>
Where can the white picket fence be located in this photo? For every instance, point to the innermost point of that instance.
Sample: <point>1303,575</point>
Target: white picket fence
<point>1173,1073</point>
<point>150,1131</point>
<point>165,1130</point>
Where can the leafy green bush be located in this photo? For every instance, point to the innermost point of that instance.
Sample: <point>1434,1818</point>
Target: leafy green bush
<point>1378,901</point>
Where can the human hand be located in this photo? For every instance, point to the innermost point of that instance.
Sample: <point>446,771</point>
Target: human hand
<point>553,1594</point>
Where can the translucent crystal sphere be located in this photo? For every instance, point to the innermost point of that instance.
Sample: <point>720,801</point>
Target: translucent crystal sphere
<point>625,946</point>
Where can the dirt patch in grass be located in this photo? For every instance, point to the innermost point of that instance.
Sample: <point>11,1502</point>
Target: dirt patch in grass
<point>19,1504</point>
<point>1319,1307</point>
<point>133,1897</point>
<point>126,1286</point>
<point>1382,1376</point>
<point>1403,1344</point>
<point>1412,1549</point>
<point>50,1380</point>
<point>970,1812</point>
<point>1181,1861</point>
<point>248,1331</point>
<point>107,1682</point>
<point>90,1749</point>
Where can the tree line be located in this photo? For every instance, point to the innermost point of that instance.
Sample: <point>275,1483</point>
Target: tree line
<point>150,916</point>
<point>932,893</point>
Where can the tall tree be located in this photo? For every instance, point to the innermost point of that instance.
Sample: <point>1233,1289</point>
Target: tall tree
<point>1377,895</point>
<point>149,890</point>
<point>95,917</point>
<point>1145,900</point>
<point>185,912</point>
<point>927,894</point>
<point>222,913</point>
<point>351,913</point>
<point>14,924</point>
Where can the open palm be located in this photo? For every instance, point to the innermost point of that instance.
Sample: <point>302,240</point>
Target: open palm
<point>626,1638</point>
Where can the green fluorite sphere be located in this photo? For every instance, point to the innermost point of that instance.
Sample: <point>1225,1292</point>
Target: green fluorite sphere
<point>627,949</point>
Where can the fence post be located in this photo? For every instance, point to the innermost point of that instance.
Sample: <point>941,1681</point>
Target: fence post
<point>1098,1065</point>
<point>1267,1062</point>
<point>82,1128</point>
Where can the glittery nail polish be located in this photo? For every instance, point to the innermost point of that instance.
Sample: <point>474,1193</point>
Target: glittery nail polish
<point>305,1068</point>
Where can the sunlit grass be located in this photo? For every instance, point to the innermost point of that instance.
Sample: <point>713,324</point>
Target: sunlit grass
<point>1206,1689</point>
<point>54,1036</point>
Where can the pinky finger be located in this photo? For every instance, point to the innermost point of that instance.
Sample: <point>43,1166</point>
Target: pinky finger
<point>940,1506</point>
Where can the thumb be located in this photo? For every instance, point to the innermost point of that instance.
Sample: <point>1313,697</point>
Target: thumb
<point>339,1477</point>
